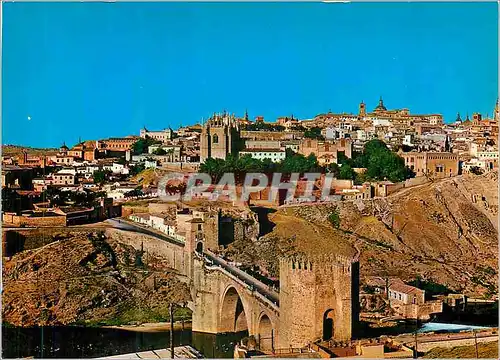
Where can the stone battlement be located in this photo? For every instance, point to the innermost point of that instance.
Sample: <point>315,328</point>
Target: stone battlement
<point>319,263</point>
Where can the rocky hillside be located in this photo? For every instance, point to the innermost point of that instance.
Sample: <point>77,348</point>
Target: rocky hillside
<point>87,279</point>
<point>445,232</point>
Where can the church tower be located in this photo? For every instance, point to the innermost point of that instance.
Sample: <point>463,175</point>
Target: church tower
<point>362,109</point>
<point>220,137</point>
<point>380,107</point>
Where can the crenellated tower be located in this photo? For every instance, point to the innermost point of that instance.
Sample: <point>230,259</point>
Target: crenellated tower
<point>319,299</point>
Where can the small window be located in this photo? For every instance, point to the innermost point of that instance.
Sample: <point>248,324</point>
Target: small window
<point>399,296</point>
<point>199,227</point>
<point>215,139</point>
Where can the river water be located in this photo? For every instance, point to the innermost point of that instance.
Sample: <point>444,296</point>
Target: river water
<point>447,327</point>
<point>85,342</point>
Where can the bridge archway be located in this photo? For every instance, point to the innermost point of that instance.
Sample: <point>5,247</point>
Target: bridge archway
<point>233,317</point>
<point>265,333</point>
<point>328,329</point>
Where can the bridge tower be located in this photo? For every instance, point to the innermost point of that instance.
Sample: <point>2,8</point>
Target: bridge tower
<point>319,299</point>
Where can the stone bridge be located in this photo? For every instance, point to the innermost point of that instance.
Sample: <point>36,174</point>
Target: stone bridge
<point>228,300</point>
<point>317,298</point>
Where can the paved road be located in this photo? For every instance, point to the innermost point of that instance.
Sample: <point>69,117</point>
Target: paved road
<point>262,288</point>
<point>424,338</point>
<point>127,226</point>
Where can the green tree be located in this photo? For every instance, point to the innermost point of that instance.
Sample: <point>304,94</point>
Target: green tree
<point>142,144</point>
<point>136,169</point>
<point>100,176</point>
<point>334,169</point>
<point>381,163</point>
<point>160,151</point>
<point>334,219</point>
<point>346,172</point>
<point>314,133</point>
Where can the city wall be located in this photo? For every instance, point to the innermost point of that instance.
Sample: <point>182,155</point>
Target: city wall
<point>34,221</point>
<point>15,241</point>
<point>174,254</point>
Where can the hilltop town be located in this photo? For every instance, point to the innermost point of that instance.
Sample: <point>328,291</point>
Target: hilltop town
<point>410,222</point>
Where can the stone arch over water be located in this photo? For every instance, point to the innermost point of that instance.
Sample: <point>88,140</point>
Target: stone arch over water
<point>233,317</point>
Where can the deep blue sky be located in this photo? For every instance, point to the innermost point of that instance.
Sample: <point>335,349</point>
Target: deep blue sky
<point>97,70</point>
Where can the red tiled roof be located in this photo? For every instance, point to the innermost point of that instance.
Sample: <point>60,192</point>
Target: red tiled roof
<point>399,286</point>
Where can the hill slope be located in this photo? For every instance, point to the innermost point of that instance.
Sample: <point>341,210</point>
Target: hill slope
<point>434,231</point>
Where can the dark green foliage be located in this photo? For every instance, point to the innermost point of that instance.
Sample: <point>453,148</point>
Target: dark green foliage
<point>476,170</point>
<point>298,163</point>
<point>136,169</point>
<point>142,144</point>
<point>314,133</point>
<point>346,172</point>
<point>160,151</point>
<point>81,198</point>
<point>100,176</point>
<point>380,163</point>
<point>431,288</point>
<point>294,163</point>
<point>334,219</point>
<point>334,169</point>
<point>133,193</point>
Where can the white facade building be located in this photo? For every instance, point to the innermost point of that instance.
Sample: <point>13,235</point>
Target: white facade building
<point>162,135</point>
<point>275,155</point>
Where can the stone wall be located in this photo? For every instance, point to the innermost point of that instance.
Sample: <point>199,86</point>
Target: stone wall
<point>160,207</point>
<point>14,241</point>
<point>174,254</point>
<point>34,221</point>
<point>419,180</point>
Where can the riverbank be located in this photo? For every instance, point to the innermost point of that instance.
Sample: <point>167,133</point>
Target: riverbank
<point>152,327</point>
<point>180,352</point>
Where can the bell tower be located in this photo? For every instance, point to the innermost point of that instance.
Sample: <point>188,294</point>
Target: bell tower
<point>362,109</point>
<point>219,137</point>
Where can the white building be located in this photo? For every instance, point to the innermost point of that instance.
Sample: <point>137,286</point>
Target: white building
<point>333,133</point>
<point>408,140</point>
<point>151,164</point>
<point>474,162</point>
<point>119,169</point>
<point>275,155</point>
<point>162,135</point>
<point>487,155</point>
<point>381,122</point>
<point>115,195</point>
<point>361,135</point>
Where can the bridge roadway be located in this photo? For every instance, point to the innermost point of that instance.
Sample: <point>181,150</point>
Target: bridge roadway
<point>128,226</point>
<point>209,257</point>
<point>258,286</point>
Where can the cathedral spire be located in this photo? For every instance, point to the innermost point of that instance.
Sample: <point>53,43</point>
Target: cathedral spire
<point>246,114</point>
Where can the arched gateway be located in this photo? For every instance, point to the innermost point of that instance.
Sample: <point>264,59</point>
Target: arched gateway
<point>233,317</point>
